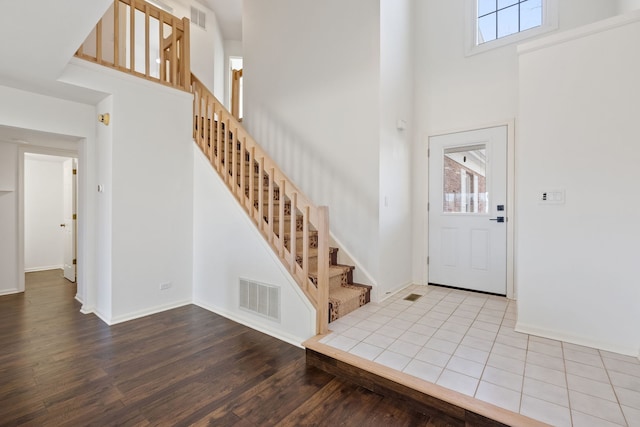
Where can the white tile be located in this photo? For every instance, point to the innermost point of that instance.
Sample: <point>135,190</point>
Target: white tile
<point>632,415</point>
<point>599,408</point>
<point>510,323</point>
<point>379,340</point>
<point>342,343</point>
<point>503,378</point>
<point>546,361</point>
<point>358,314</point>
<point>393,360</point>
<point>414,338</point>
<point>544,411</point>
<point>465,314</point>
<point>346,320</point>
<point>545,391</point>
<point>441,345</point>
<point>471,353</point>
<point>423,370</point>
<point>408,317</point>
<point>623,380</point>
<point>489,318</point>
<point>624,358</point>
<point>458,382</point>
<point>498,396</point>
<point>580,348</point>
<point>547,375</point>
<point>433,357</point>
<point>628,397</point>
<point>356,333</point>
<point>583,420</point>
<point>379,318</point>
<point>508,351</point>
<point>481,334</point>
<point>547,341</point>
<point>514,366</point>
<point>451,326</point>
<point>622,366</point>
<point>372,307</point>
<point>405,348</point>
<point>582,357</point>
<point>479,343</point>
<point>423,329</point>
<point>449,336</point>
<point>587,371</point>
<point>497,303</point>
<point>433,314</point>
<point>420,311</point>
<point>543,348</point>
<point>591,387</point>
<point>390,331</point>
<point>400,324</point>
<point>337,326</point>
<point>366,351</point>
<point>388,312</point>
<point>369,325</point>
<point>464,366</point>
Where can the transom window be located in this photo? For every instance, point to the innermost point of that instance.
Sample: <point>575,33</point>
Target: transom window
<point>501,18</point>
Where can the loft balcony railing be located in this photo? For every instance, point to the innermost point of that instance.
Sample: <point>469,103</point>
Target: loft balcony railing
<point>141,39</point>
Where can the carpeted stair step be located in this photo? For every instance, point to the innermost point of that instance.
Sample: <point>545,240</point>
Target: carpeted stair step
<point>313,257</point>
<point>344,300</point>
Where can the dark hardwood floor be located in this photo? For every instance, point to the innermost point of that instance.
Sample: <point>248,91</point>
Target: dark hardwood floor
<point>186,366</point>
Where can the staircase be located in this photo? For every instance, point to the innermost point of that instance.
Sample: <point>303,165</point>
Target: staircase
<point>296,229</point>
<point>344,295</point>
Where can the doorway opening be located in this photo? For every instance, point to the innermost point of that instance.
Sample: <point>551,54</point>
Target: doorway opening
<point>50,214</point>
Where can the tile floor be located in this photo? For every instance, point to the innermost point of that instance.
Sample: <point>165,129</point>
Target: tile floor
<point>466,342</point>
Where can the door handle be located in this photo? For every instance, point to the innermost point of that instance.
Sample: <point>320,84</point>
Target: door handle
<point>63,225</point>
<point>498,219</point>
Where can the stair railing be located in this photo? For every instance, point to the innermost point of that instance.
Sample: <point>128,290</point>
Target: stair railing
<point>141,39</point>
<point>268,197</point>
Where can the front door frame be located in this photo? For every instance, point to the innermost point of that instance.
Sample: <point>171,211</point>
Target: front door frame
<point>511,213</point>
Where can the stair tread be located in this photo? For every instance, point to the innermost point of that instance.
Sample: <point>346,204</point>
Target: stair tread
<point>334,270</point>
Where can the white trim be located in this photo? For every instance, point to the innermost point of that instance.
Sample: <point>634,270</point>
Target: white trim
<point>143,313</point>
<point>392,292</point>
<point>10,291</point>
<point>580,32</point>
<point>291,339</point>
<point>576,339</point>
<point>549,23</point>
<point>45,268</point>
<point>22,150</point>
<point>511,192</point>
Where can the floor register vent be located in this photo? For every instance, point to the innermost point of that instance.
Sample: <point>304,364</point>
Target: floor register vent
<point>260,298</point>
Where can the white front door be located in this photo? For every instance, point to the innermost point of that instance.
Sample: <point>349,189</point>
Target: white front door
<point>467,210</point>
<point>69,195</point>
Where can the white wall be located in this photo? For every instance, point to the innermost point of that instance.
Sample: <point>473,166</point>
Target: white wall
<point>9,215</point>
<point>43,213</point>
<point>311,92</point>
<point>28,110</point>
<point>455,92</point>
<point>207,46</point>
<point>577,269</point>
<point>227,247</point>
<point>148,190</point>
<point>232,48</point>
<point>628,5</point>
<point>396,82</point>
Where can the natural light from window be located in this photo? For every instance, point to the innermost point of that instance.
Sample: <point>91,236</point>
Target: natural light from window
<point>501,18</point>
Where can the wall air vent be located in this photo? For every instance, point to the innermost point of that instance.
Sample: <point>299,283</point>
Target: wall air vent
<point>198,17</point>
<point>260,298</point>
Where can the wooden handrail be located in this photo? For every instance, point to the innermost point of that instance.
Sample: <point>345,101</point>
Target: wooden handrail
<point>243,165</point>
<point>140,39</point>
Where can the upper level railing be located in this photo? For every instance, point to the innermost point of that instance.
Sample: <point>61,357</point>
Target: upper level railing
<point>141,39</point>
<point>287,219</point>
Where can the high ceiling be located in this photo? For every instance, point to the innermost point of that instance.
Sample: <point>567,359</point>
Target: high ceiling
<point>229,14</point>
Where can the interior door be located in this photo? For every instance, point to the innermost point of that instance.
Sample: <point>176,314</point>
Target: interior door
<point>69,195</point>
<point>467,210</point>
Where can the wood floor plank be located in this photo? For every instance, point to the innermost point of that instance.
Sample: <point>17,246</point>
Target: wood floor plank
<point>183,367</point>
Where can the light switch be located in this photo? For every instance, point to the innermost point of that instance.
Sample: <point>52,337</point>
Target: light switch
<point>551,197</point>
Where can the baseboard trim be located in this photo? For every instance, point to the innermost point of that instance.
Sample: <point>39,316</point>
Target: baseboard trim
<point>293,340</point>
<point>575,339</point>
<point>394,291</point>
<point>10,291</point>
<point>147,312</point>
<point>45,268</point>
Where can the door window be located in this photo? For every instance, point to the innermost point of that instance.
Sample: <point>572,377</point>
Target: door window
<point>465,180</point>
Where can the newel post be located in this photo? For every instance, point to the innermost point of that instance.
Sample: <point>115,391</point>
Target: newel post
<point>322,310</point>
